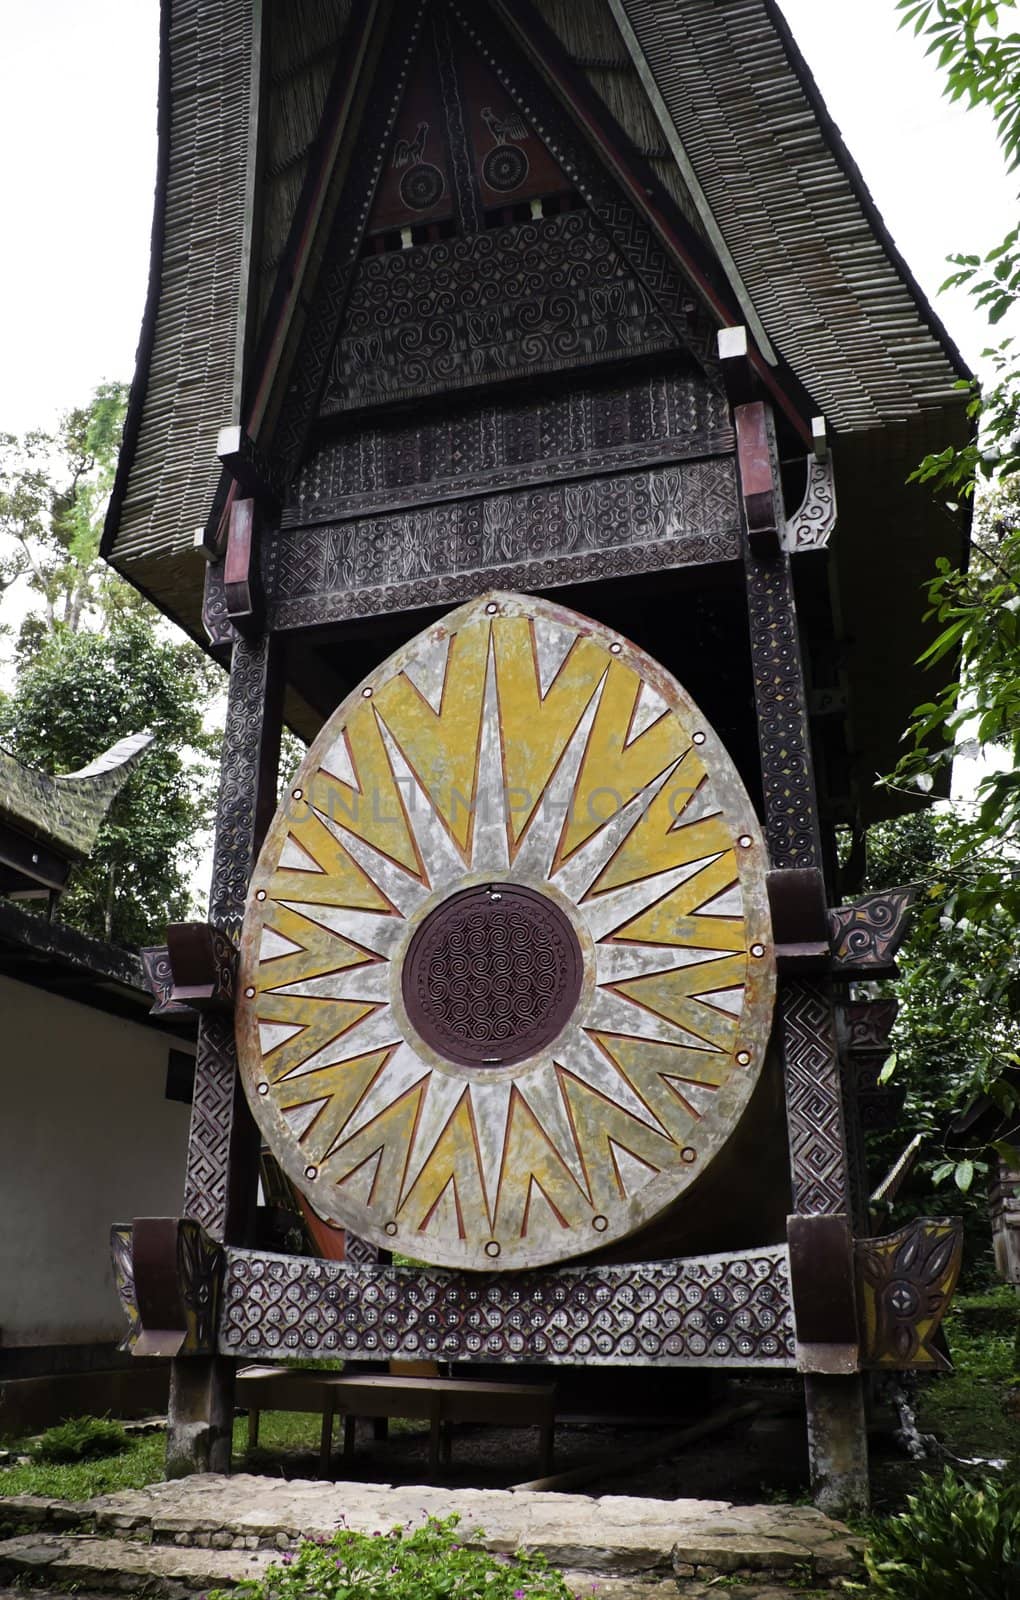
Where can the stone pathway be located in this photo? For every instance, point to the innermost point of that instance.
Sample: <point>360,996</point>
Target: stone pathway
<point>176,1538</point>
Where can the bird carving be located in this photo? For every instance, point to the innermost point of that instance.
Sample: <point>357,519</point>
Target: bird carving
<point>408,151</point>
<point>507,128</point>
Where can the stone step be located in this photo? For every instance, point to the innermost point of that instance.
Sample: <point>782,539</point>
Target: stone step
<point>49,1566</point>
<point>612,1536</point>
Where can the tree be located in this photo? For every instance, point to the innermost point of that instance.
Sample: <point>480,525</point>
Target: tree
<point>54,490</point>
<point>80,693</point>
<point>970,921</point>
<point>96,662</point>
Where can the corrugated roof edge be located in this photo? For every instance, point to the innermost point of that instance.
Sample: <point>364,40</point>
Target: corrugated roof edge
<point>147,334</point>
<point>833,136</point>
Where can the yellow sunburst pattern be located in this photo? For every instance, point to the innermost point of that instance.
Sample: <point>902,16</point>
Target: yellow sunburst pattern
<point>507,970</point>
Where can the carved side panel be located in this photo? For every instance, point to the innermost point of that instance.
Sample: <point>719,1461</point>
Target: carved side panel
<point>124,1282</point>
<point>596,528</point>
<point>247,766</point>
<point>715,1311</point>
<point>905,1283</point>
<point>787,775</point>
<point>212,1115</point>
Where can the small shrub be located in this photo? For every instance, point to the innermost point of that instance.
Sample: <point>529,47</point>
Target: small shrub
<point>82,1439</point>
<point>955,1541</point>
<point>426,1564</point>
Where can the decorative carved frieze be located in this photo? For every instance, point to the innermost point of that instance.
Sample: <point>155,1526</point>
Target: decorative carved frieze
<point>598,527</point>
<point>814,1108</point>
<point>716,1311</point>
<point>469,448</point>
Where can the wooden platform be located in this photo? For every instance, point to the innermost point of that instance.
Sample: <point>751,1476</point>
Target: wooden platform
<point>441,1402</point>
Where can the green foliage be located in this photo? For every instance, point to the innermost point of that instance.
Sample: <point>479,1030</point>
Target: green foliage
<point>79,694</point>
<point>81,1439</point>
<point>428,1563</point>
<point>141,1463</point>
<point>955,1541</point>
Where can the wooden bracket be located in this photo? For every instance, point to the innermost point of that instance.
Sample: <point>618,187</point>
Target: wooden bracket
<point>905,1282</point>
<point>865,936</point>
<point>203,966</point>
<point>824,1300</point>
<point>758,487</point>
<point>800,921</point>
<point>159,980</point>
<point>168,1273</point>
<point>257,475</point>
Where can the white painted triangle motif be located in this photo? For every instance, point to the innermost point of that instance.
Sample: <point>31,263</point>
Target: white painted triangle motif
<point>701,805</point>
<point>272,1034</point>
<point>729,1000</point>
<point>728,904</point>
<point>337,762</point>
<point>273,944</point>
<point>650,707</point>
<point>552,646</point>
<point>539,1215</point>
<point>296,856</point>
<point>300,1118</point>
<point>632,1172</point>
<point>358,1182</point>
<point>427,669</point>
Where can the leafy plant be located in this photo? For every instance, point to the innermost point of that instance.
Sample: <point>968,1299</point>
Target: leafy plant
<point>82,1439</point>
<point>428,1563</point>
<point>955,1541</point>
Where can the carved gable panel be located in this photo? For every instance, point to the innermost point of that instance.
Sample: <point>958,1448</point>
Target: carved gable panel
<point>536,297</point>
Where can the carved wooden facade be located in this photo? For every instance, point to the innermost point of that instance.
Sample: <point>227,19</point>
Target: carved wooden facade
<point>489,352</point>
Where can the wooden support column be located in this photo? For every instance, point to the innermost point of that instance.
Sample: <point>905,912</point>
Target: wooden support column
<point>221,1184</point>
<point>819,1167</point>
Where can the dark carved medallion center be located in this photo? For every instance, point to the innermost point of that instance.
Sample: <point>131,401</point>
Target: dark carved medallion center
<point>492,975</point>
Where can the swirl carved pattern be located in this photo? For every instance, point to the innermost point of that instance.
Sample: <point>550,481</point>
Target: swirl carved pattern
<point>711,1311</point>
<point>536,297</point>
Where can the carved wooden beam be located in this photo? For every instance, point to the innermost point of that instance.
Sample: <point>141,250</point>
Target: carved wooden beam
<point>800,920</point>
<point>810,527</point>
<point>824,1299</point>
<point>168,1273</point>
<point>242,589</point>
<point>905,1282</point>
<point>203,966</point>
<point>865,1026</point>
<point>257,474</point>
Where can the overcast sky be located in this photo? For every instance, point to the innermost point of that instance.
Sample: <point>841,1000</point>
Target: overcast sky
<point>77,132</point>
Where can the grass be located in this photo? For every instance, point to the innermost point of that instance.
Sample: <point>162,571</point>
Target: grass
<point>968,1409</point>
<point>139,1464</point>
<point>281,1434</point>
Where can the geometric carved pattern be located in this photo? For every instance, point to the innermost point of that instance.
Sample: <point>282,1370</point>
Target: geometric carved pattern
<point>712,1311</point>
<point>206,1190</point>
<point>812,523</point>
<point>205,1186</point>
<point>537,538</point>
<point>814,1109</point>
<point>506,970</point>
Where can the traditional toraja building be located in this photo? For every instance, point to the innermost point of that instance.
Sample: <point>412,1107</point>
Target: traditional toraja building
<point>539,340</point>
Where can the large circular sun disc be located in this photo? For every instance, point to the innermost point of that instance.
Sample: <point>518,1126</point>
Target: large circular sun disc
<point>507,967</point>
